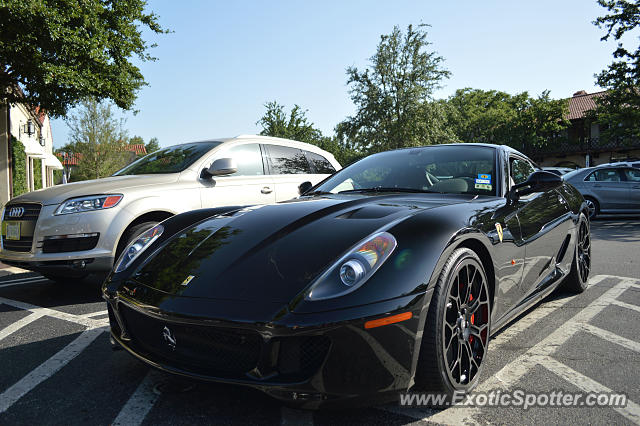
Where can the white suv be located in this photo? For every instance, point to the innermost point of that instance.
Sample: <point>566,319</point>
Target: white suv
<point>69,231</point>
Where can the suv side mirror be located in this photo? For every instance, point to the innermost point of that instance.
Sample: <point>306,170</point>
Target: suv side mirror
<point>304,187</point>
<point>220,167</point>
<point>538,181</point>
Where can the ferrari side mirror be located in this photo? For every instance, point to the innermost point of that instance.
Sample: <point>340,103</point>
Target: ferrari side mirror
<point>538,181</point>
<point>304,187</point>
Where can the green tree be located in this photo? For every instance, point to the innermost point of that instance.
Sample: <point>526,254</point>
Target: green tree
<point>296,126</point>
<point>152,146</point>
<point>619,110</point>
<point>520,121</point>
<point>97,136</point>
<point>59,52</point>
<point>393,96</point>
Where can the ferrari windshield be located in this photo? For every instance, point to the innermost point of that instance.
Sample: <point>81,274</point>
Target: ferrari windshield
<point>173,159</point>
<point>460,169</point>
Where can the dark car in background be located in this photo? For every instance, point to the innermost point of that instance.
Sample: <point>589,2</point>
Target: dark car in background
<point>608,189</point>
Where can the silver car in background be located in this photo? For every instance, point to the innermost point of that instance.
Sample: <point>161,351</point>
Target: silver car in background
<point>68,231</point>
<point>608,189</point>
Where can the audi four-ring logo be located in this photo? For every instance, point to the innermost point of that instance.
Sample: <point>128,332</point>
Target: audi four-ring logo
<point>16,211</point>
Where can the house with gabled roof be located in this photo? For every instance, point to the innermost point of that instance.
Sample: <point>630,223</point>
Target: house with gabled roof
<point>26,150</point>
<point>581,145</point>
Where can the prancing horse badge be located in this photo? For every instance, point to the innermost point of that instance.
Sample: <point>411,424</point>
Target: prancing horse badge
<point>499,229</point>
<point>190,277</point>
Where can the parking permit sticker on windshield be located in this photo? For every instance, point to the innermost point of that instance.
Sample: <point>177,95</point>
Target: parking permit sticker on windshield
<point>484,182</point>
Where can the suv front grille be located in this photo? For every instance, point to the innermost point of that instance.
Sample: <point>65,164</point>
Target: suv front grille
<point>29,217</point>
<point>65,245</point>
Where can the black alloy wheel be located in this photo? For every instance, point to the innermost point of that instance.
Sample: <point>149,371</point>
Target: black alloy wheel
<point>457,328</point>
<point>465,327</point>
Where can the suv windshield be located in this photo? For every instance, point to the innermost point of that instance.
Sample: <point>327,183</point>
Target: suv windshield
<point>444,168</point>
<point>173,159</point>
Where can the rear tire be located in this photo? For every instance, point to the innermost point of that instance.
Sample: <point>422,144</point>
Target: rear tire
<point>593,207</point>
<point>576,281</point>
<point>457,328</point>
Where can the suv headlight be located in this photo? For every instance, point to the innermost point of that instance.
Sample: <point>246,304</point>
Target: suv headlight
<point>87,204</point>
<point>137,246</point>
<point>354,268</point>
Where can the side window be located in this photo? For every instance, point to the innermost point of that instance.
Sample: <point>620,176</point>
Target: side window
<point>604,175</point>
<point>319,164</point>
<point>632,175</point>
<point>520,170</point>
<point>285,160</point>
<point>248,158</point>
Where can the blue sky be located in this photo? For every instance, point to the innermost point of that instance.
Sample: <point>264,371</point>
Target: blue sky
<point>226,59</point>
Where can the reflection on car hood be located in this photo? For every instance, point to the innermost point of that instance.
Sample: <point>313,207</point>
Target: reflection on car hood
<point>115,184</point>
<point>230,256</point>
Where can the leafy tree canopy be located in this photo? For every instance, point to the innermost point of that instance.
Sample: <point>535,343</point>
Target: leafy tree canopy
<point>98,139</point>
<point>296,126</point>
<point>520,121</point>
<point>59,52</point>
<point>392,96</point>
<point>620,108</point>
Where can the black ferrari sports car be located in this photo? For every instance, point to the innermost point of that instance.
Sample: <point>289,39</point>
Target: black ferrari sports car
<point>391,274</point>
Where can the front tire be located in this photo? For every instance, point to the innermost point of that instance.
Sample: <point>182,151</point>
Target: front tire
<point>457,328</point>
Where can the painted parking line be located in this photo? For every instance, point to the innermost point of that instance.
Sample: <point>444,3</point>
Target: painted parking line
<point>87,322</point>
<point>141,401</point>
<point>518,368</point>
<point>94,314</point>
<point>12,328</point>
<point>48,368</point>
<point>22,281</point>
<point>611,337</point>
<point>586,384</point>
<point>626,305</point>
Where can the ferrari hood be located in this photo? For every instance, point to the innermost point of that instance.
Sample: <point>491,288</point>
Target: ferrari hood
<point>273,252</point>
<point>114,184</point>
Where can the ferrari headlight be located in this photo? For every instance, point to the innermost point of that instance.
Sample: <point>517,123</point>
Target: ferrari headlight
<point>354,268</point>
<point>86,204</point>
<point>135,249</point>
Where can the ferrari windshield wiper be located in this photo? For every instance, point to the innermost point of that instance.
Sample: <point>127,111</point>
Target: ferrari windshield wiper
<point>386,189</point>
<point>318,193</point>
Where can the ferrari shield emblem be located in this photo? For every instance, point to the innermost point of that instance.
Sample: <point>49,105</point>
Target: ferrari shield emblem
<point>190,277</point>
<point>499,229</point>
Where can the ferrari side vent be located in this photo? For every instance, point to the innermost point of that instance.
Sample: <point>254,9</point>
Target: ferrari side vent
<point>563,249</point>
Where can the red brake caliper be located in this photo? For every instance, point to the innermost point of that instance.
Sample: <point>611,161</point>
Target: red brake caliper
<point>472,317</point>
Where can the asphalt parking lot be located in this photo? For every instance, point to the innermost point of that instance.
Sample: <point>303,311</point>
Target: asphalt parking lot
<point>58,368</point>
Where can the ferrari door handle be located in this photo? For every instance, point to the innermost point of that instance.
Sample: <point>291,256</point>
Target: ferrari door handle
<point>266,190</point>
<point>636,187</point>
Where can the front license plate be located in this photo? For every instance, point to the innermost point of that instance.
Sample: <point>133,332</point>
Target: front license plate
<point>13,231</point>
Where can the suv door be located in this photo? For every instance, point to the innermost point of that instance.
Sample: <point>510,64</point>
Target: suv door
<point>289,167</point>
<point>544,223</point>
<point>249,185</point>
<point>633,183</point>
<point>608,187</point>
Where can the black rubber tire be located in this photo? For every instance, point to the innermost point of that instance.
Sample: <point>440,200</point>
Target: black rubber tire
<point>131,234</point>
<point>576,282</point>
<point>432,372</point>
<point>596,207</point>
